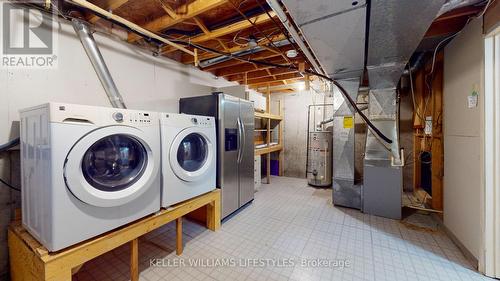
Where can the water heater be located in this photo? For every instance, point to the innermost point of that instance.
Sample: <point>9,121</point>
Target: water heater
<point>319,161</point>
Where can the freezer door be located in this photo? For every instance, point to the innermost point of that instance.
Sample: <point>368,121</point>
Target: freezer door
<point>229,112</point>
<point>246,160</point>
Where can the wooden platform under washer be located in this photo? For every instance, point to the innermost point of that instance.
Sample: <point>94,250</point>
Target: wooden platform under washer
<point>29,260</point>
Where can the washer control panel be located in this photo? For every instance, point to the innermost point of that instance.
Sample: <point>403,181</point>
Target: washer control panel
<point>132,117</point>
<point>202,121</point>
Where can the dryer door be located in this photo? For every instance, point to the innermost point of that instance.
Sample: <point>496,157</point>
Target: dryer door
<point>191,154</point>
<point>110,166</point>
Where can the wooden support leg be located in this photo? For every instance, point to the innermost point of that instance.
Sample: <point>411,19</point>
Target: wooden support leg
<point>178,226</point>
<point>268,168</point>
<point>214,214</point>
<point>134,260</point>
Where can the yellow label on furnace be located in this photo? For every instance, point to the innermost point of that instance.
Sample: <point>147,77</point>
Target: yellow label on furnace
<point>348,122</point>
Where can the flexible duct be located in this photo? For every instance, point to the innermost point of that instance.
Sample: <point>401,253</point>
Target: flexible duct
<point>95,56</point>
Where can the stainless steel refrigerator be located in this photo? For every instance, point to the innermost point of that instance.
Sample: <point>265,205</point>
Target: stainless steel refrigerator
<point>235,145</point>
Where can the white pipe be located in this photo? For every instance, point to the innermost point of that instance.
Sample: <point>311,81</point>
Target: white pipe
<point>86,4</point>
<point>295,35</point>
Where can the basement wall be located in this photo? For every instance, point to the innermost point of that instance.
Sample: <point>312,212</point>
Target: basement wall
<point>463,137</point>
<point>144,81</point>
<point>295,109</point>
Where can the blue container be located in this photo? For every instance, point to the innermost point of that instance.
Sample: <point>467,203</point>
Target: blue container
<point>275,168</point>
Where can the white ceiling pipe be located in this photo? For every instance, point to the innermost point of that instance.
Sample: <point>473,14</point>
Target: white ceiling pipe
<point>275,5</point>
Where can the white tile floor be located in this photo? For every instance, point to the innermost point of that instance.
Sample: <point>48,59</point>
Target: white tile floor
<point>282,236</point>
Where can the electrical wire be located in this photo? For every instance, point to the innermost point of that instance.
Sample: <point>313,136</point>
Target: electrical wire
<point>458,32</point>
<point>10,186</point>
<point>291,67</point>
<point>486,7</point>
<point>260,31</point>
<point>259,62</point>
<point>413,94</point>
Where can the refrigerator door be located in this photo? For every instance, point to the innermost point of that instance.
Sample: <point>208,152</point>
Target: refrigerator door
<point>229,112</point>
<point>247,159</point>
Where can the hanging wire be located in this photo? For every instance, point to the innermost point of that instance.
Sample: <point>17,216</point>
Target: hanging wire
<point>260,31</point>
<point>259,62</point>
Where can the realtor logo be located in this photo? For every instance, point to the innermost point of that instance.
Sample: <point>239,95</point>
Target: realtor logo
<point>28,36</point>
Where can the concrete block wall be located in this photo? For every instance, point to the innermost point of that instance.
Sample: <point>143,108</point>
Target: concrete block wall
<point>295,109</point>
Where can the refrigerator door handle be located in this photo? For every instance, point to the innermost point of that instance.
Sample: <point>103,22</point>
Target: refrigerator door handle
<point>240,140</point>
<point>243,138</point>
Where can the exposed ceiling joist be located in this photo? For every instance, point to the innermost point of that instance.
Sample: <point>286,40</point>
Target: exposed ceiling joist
<point>460,12</point>
<point>232,28</point>
<point>207,31</point>
<point>246,67</point>
<point>168,10</point>
<point>286,91</point>
<point>283,77</point>
<point>112,5</point>
<point>263,86</point>
<point>189,59</point>
<point>213,23</point>
<point>260,74</point>
<point>293,86</point>
<point>451,22</point>
<point>193,9</point>
<point>443,28</point>
<point>263,55</point>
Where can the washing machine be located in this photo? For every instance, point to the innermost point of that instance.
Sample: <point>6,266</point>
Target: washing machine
<point>87,170</point>
<point>189,164</point>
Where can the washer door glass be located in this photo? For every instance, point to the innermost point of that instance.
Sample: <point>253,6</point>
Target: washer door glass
<point>114,162</point>
<point>192,152</point>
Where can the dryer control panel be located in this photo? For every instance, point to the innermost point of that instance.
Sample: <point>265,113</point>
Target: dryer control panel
<point>185,120</point>
<point>139,117</point>
<point>202,121</point>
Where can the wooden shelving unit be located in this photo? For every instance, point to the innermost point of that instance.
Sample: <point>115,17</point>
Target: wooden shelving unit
<point>276,121</point>
<point>265,115</point>
<point>266,150</point>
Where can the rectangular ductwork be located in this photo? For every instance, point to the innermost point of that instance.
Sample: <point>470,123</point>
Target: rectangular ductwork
<point>396,29</point>
<point>335,31</point>
<point>345,191</point>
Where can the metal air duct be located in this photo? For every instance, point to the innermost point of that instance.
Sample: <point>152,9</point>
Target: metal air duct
<point>345,191</point>
<point>335,31</point>
<point>84,34</point>
<point>396,29</point>
<point>276,7</point>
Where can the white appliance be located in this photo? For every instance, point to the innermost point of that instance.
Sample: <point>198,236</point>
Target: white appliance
<point>87,170</point>
<point>189,166</point>
<point>257,173</point>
